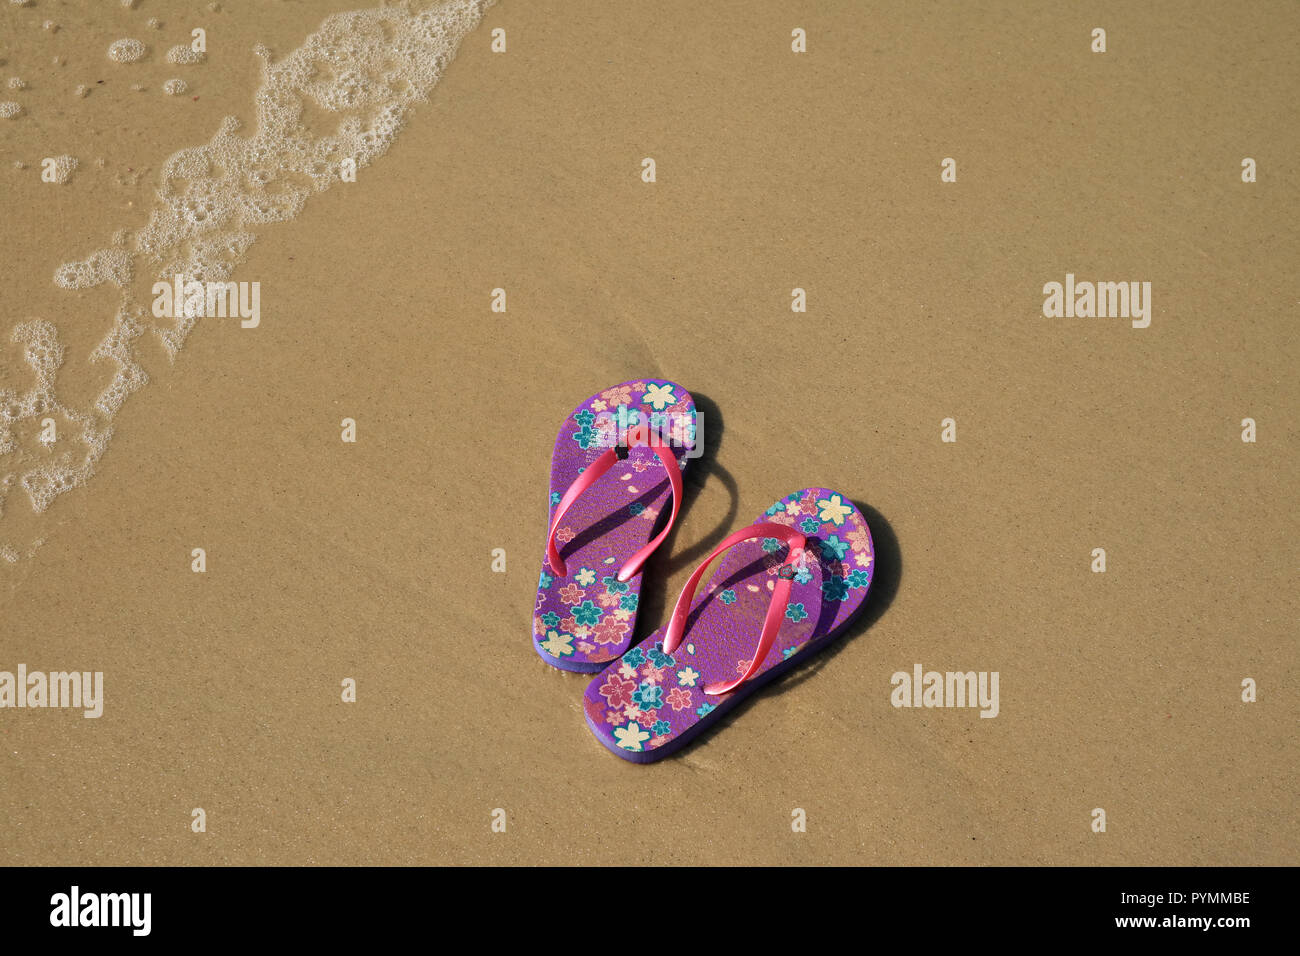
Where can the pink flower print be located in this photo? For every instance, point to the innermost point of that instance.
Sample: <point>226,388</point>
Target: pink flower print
<point>658,741</point>
<point>605,599</point>
<point>617,691</point>
<point>618,395</point>
<point>650,514</point>
<point>742,666</point>
<point>564,535</point>
<point>572,594</point>
<point>608,631</point>
<point>585,647</point>
<point>679,698</point>
<point>569,624</point>
<point>640,465</point>
<point>613,716</point>
<point>653,675</point>
<point>858,540</point>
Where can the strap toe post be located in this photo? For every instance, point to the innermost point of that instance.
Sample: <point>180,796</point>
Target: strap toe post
<point>589,476</point>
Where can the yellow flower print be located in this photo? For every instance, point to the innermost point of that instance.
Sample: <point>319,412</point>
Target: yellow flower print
<point>659,397</point>
<point>557,643</point>
<point>834,510</point>
<point>631,737</point>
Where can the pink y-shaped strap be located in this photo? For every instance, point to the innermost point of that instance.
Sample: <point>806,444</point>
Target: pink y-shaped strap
<point>585,481</point>
<point>775,610</point>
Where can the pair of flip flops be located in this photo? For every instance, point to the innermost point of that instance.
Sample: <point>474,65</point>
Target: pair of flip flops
<point>784,587</point>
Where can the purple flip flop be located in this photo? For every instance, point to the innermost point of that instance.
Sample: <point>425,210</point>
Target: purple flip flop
<point>786,586</point>
<point>616,468</point>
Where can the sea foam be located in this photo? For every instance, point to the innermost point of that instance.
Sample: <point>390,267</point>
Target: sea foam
<point>366,69</point>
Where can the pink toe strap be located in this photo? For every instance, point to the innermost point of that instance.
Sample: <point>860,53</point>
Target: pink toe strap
<point>775,609</point>
<point>588,477</point>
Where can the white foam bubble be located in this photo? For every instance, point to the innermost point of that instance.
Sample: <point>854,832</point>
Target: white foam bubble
<point>175,87</point>
<point>181,53</point>
<point>9,109</point>
<point>126,50</point>
<point>64,166</point>
<point>105,265</point>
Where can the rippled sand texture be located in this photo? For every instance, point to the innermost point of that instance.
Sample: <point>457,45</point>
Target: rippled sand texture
<point>342,95</point>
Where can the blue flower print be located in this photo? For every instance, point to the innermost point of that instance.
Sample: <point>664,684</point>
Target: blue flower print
<point>659,659</point>
<point>660,728</point>
<point>858,579</point>
<point>545,580</point>
<point>550,619</point>
<point>704,710</point>
<point>614,586</point>
<point>587,614</point>
<point>789,652</point>
<point>636,508</point>
<point>809,525</point>
<point>833,545</point>
<point>634,658</point>
<point>628,602</point>
<point>775,509</point>
<point>648,696</point>
<point>803,575</point>
<point>585,436</point>
<point>727,597</point>
<point>796,613</point>
<point>555,497</point>
<point>771,544</point>
<point>584,417</point>
<point>834,589</point>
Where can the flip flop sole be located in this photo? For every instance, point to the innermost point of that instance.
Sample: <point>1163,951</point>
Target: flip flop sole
<point>584,620</point>
<point>651,704</point>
